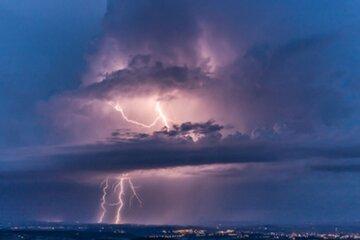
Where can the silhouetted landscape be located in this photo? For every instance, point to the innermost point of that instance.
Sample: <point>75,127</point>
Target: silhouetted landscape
<point>57,231</point>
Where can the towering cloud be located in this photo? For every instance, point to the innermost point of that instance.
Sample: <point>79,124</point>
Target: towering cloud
<point>246,68</point>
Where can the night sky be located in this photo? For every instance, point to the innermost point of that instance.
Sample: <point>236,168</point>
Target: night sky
<point>229,111</point>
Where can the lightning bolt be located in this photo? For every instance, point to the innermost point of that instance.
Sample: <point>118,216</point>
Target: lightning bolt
<point>120,204</point>
<point>105,185</point>
<point>119,187</point>
<point>119,109</point>
<point>160,116</point>
<point>120,192</point>
<point>134,193</point>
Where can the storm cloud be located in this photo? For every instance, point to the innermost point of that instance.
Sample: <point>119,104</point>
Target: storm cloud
<point>249,78</point>
<point>144,76</point>
<point>172,149</point>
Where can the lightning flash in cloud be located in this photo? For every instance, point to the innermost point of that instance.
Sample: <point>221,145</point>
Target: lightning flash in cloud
<point>122,184</point>
<point>160,116</point>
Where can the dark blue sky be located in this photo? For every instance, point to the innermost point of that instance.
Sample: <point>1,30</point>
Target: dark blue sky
<point>256,108</point>
<point>43,45</point>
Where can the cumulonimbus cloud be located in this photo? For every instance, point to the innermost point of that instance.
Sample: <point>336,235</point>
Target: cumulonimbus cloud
<point>267,86</point>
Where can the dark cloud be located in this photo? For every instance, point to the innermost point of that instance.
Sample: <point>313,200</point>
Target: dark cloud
<point>290,85</point>
<point>167,150</point>
<point>205,132</point>
<point>144,76</point>
<point>166,30</point>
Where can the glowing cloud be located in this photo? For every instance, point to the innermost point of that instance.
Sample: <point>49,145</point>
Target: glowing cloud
<point>160,116</point>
